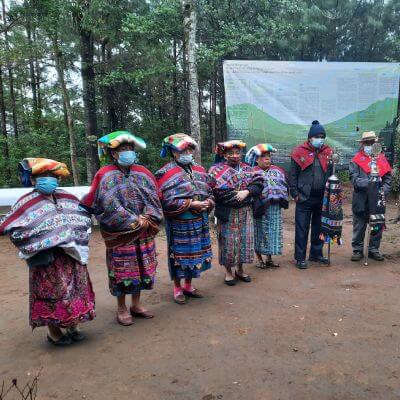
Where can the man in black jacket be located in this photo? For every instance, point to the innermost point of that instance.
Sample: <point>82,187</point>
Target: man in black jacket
<point>309,172</point>
<point>360,169</point>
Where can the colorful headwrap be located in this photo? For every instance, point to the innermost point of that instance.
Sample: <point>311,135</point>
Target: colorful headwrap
<point>35,166</point>
<point>114,139</point>
<point>257,151</point>
<point>177,142</point>
<point>222,147</point>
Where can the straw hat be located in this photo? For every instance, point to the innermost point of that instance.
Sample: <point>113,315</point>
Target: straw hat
<point>368,136</point>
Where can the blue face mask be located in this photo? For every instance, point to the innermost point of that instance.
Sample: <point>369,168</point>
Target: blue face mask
<point>46,184</point>
<point>317,142</point>
<point>185,159</point>
<point>126,158</point>
<point>368,150</point>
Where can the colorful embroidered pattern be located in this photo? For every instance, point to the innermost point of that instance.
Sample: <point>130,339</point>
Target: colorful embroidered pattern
<point>236,237</point>
<point>132,267</point>
<point>36,223</point>
<point>177,142</point>
<point>114,139</point>
<point>178,186</point>
<point>226,181</point>
<point>117,199</point>
<point>189,245</point>
<point>268,231</point>
<point>332,213</point>
<point>61,294</point>
<point>376,205</point>
<point>35,166</point>
<point>275,188</point>
<point>258,150</point>
<point>222,147</point>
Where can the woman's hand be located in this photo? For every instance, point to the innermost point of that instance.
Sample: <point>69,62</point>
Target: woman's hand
<point>199,206</point>
<point>210,204</point>
<point>241,195</point>
<point>144,222</point>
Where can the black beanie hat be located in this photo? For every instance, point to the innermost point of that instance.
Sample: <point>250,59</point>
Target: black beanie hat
<point>316,129</point>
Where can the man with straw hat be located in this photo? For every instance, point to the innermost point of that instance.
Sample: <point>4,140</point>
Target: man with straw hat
<point>363,201</point>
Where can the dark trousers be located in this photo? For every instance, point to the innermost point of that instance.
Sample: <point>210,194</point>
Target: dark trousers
<point>359,228</point>
<point>308,212</point>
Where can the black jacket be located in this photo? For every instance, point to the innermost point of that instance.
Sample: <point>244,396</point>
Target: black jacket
<point>359,179</point>
<point>300,182</point>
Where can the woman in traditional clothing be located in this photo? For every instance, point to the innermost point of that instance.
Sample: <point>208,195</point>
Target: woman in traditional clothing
<point>235,185</point>
<point>124,199</point>
<point>268,207</point>
<point>51,231</point>
<point>186,197</point>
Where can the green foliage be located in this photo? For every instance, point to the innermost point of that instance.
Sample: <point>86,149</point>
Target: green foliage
<point>140,71</point>
<point>396,169</point>
<point>344,176</point>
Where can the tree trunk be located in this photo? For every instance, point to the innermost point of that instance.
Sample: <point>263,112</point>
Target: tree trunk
<point>88,94</point>
<point>222,134</point>
<point>185,89</point>
<point>190,26</point>
<point>175,104</point>
<point>32,76</point>
<point>37,80</point>
<point>213,106</point>
<point>112,112</point>
<point>58,56</point>
<point>3,127</point>
<point>10,76</point>
<point>105,106</point>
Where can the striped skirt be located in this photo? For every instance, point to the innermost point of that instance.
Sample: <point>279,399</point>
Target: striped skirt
<point>236,237</point>
<point>132,267</point>
<point>189,245</point>
<point>268,231</point>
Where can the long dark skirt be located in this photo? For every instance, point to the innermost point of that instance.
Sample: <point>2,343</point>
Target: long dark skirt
<point>61,294</point>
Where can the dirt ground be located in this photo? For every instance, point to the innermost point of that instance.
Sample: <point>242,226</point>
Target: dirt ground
<point>322,333</point>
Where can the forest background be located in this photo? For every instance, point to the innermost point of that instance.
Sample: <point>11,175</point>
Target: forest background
<point>72,71</point>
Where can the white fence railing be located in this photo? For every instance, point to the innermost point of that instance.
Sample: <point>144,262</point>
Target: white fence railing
<point>9,196</point>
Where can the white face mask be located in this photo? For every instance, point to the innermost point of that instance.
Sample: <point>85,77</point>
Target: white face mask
<point>368,150</point>
<point>186,159</point>
<point>317,142</point>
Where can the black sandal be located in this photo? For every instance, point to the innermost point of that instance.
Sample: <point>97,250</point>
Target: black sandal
<point>271,264</point>
<point>64,340</point>
<point>243,278</point>
<point>231,282</point>
<point>76,335</point>
<point>195,293</point>
<point>261,264</point>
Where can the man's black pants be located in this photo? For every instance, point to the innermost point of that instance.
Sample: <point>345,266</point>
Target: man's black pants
<point>308,212</point>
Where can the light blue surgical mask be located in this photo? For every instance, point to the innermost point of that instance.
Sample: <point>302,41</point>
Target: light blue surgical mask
<point>317,142</point>
<point>368,150</point>
<point>126,158</point>
<point>46,184</point>
<point>185,159</point>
